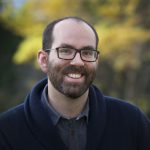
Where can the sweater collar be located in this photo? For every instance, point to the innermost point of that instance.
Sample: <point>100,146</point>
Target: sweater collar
<point>43,128</point>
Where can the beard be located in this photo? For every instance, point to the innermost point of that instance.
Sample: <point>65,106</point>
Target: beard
<point>57,74</point>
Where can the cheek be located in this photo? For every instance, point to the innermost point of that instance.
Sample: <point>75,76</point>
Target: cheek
<point>53,59</point>
<point>56,66</point>
<point>91,66</point>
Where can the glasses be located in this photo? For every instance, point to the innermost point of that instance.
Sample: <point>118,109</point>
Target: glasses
<point>88,55</point>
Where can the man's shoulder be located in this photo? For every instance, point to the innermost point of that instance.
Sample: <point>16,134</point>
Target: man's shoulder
<point>116,102</point>
<point>122,108</point>
<point>113,102</point>
<point>12,115</point>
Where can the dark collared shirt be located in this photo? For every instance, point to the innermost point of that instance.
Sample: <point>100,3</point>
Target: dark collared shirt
<point>72,131</point>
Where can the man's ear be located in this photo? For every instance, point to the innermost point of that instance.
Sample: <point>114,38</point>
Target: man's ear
<point>42,58</point>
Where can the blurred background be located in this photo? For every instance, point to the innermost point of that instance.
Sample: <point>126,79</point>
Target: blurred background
<point>124,31</point>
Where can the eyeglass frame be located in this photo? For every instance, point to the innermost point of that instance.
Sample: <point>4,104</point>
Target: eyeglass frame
<point>76,51</point>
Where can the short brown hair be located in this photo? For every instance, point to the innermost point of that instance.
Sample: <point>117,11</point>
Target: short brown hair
<point>48,32</point>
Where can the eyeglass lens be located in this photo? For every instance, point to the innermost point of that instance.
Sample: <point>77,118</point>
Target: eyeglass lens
<point>69,53</point>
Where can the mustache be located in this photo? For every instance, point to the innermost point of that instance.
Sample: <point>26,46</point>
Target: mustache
<point>78,69</point>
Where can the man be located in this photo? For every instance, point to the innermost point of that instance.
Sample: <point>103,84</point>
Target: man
<point>65,111</point>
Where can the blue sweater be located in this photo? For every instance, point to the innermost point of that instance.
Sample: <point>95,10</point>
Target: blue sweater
<point>113,125</point>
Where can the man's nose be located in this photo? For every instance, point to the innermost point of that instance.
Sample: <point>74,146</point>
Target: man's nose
<point>77,60</point>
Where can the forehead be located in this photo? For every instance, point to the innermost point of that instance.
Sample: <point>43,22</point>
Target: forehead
<point>73,32</point>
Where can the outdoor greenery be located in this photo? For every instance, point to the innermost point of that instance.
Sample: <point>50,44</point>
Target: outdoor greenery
<point>124,31</point>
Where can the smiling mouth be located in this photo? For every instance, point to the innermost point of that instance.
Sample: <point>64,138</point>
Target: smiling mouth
<point>74,75</point>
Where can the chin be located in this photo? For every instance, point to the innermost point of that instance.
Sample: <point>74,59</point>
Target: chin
<point>74,93</point>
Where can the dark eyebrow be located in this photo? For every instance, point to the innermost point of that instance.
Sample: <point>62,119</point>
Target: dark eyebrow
<point>70,46</point>
<point>67,46</point>
<point>88,47</point>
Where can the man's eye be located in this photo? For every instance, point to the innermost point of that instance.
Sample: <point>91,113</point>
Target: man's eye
<point>87,52</point>
<point>65,51</point>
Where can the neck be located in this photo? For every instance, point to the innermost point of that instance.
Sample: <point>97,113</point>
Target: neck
<point>66,106</point>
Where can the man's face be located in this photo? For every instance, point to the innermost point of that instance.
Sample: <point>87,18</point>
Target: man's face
<point>71,77</point>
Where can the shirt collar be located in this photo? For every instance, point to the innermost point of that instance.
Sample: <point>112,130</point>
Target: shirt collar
<point>54,115</point>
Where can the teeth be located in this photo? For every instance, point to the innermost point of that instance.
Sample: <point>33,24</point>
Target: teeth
<point>75,76</point>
